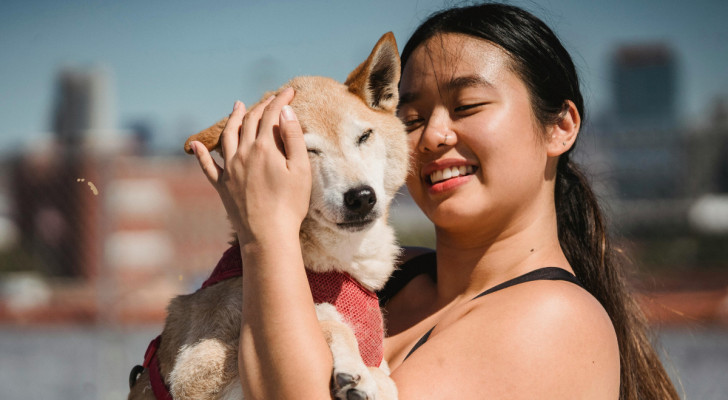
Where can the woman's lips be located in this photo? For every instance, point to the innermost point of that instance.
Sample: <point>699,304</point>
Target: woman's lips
<point>450,172</point>
<point>448,184</point>
<point>445,169</point>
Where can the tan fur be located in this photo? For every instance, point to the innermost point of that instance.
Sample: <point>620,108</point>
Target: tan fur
<point>199,347</point>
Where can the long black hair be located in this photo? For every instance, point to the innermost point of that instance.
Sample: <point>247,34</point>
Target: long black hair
<point>546,68</point>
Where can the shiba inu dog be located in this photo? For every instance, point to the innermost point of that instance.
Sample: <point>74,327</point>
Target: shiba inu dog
<point>359,159</point>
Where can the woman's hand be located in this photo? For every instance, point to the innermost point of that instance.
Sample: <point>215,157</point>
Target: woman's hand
<point>265,181</point>
<point>265,185</point>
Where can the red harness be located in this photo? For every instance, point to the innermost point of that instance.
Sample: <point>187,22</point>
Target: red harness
<point>358,306</point>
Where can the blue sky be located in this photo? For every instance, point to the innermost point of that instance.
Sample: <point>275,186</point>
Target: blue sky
<point>179,65</point>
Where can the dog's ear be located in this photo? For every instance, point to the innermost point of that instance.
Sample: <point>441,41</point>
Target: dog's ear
<point>210,137</point>
<point>377,78</point>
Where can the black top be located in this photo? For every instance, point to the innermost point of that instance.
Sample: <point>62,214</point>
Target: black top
<point>426,263</point>
<point>418,265</point>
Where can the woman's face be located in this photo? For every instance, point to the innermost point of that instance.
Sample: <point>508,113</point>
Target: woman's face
<point>469,117</point>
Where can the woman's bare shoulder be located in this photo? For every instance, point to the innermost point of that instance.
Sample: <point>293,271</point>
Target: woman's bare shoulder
<point>542,339</point>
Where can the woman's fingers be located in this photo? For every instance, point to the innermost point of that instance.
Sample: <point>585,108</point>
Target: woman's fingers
<point>292,136</point>
<point>231,132</point>
<point>209,166</point>
<point>251,123</point>
<point>271,116</point>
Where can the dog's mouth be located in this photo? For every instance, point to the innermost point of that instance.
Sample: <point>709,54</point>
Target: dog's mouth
<point>355,226</point>
<point>348,224</point>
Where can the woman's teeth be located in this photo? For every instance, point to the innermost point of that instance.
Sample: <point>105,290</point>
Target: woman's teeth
<point>447,173</point>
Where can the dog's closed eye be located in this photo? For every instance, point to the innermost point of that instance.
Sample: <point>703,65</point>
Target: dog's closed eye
<point>314,151</point>
<point>364,137</point>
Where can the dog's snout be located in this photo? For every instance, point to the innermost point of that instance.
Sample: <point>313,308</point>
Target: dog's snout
<point>360,200</point>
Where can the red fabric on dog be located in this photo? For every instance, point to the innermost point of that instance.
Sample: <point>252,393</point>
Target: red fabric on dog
<point>151,362</point>
<point>357,305</point>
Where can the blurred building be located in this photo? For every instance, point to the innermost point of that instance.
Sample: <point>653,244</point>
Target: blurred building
<point>706,148</point>
<point>163,229</point>
<point>126,229</point>
<point>642,133</point>
<point>84,110</point>
<point>660,170</point>
<point>644,88</point>
<point>53,214</point>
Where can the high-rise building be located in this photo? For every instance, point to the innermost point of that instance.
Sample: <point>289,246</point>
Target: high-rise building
<point>643,137</point>
<point>84,110</point>
<point>645,86</point>
<point>55,214</point>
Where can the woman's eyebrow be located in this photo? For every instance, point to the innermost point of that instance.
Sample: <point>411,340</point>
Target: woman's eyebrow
<point>407,97</point>
<point>466,81</point>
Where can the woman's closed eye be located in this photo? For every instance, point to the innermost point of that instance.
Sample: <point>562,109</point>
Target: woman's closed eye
<point>469,107</point>
<point>411,123</point>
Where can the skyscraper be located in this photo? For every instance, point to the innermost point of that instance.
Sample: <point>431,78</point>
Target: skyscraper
<point>643,136</point>
<point>645,86</point>
<point>56,213</point>
<point>84,109</point>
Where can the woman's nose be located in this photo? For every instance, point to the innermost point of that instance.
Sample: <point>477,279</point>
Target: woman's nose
<point>436,134</point>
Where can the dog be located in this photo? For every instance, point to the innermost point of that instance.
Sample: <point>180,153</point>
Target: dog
<point>359,159</point>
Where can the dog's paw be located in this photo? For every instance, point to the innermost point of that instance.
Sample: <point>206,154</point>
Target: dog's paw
<point>357,386</point>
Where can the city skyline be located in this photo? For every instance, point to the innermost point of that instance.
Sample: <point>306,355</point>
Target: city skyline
<point>178,67</point>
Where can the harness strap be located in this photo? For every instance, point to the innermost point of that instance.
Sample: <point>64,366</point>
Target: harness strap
<point>151,363</point>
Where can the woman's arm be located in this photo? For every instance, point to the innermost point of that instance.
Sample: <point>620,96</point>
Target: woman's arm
<point>265,186</point>
<point>283,354</point>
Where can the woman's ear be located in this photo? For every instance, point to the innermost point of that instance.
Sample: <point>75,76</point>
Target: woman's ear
<point>563,133</point>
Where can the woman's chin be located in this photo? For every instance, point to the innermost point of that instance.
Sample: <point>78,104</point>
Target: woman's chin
<point>451,214</point>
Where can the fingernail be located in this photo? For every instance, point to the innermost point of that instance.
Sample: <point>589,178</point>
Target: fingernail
<point>236,105</point>
<point>194,149</point>
<point>288,113</point>
<point>271,98</point>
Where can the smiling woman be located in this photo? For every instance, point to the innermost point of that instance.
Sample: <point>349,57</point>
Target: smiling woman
<point>491,89</point>
<point>467,102</point>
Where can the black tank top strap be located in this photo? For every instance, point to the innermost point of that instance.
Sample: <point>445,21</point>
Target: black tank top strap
<point>421,264</point>
<point>541,274</point>
<point>547,273</point>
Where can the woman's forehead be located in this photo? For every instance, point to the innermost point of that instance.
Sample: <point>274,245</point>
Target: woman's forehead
<point>448,59</point>
<point>449,55</point>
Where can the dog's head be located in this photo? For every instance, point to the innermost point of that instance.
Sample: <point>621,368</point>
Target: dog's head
<point>357,146</point>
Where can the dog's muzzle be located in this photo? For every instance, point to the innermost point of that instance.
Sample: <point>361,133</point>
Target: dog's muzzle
<point>358,205</point>
<point>360,201</point>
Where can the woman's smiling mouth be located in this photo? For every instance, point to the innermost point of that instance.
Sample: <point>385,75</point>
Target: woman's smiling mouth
<point>450,172</point>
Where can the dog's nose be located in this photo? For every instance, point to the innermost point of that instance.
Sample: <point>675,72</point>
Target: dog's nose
<point>360,200</point>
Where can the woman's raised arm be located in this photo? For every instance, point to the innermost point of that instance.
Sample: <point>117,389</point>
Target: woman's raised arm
<point>265,186</point>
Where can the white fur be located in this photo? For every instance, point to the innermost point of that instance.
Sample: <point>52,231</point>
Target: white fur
<point>339,167</point>
<point>202,362</point>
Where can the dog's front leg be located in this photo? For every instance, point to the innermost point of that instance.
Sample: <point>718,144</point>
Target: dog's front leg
<point>351,378</point>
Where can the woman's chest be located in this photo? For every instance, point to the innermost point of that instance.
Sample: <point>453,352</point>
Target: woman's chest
<point>406,326</point>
